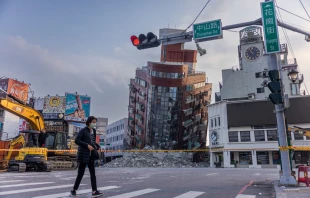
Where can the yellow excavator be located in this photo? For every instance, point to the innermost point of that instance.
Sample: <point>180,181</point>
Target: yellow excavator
<point>302,131</point>
<point>35,156</point>
<point>29,157</point>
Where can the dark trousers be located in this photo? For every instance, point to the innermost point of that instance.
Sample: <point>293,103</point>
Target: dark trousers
<point>81,170</point>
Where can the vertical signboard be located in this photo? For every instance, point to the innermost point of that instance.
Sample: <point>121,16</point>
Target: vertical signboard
<point>272,43</point>
<point>77,107</point>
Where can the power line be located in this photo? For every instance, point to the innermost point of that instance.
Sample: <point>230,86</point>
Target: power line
<point>285,33</point>
<point>304,8</point>
<point>293,14</point>
<point>197,16</point>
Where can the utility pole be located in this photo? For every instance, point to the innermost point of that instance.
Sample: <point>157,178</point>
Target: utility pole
<point>286,178</point>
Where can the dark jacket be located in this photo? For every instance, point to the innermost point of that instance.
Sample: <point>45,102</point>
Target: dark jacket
<point>83,139</point>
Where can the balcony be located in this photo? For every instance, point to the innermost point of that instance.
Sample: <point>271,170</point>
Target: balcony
<point>188,111</point>
<point>195,73</point>
<point>186,136</point>
<point>288,64</point>
<point>187,123</point>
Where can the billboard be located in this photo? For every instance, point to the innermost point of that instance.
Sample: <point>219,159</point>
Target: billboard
<point>18,89</point>
<point>77,107</point>
<point>54,104</point>
<point>4,85</point>
<point>22,124</point>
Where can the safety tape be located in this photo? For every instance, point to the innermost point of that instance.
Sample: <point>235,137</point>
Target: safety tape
<point>281,148</point>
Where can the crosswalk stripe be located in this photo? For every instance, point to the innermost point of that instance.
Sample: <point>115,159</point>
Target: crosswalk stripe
<point>26,184</point>
<point>78,192</point>
<point>15,174</point>
<point>135,193</point>
<point>10,181</point>
<point>68,178</point>
<point>245,196</point>
<point>190,194</point>
<point>35,189</point>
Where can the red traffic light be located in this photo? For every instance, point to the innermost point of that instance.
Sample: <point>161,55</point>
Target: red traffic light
<point>135,41</point>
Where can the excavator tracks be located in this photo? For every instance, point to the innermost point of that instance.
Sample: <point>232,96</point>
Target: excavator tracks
<point>17,167</point>
<point>62,163</point>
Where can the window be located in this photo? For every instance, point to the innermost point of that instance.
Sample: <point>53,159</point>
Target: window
<point>233,136</point>
<point>245,158</point>
<point>261,90</point>
<point>259,136</point>
<point>257,74</point>
<point>245,136</point>
<point>272,135</point>
<point>294,89</point>
<point>215,122</point>
<point>211,122</point>
<point>298,136</point>
<point>219,121</point>
<point>262,157</point>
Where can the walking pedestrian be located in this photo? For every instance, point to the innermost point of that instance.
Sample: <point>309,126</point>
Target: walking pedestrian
<point>87,155</point>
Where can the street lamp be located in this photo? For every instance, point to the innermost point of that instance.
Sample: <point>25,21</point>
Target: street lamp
<point>293,75</point>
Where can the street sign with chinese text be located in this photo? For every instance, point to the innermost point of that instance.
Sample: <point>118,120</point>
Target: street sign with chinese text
<point>272,43</point>
<point>207,30</point>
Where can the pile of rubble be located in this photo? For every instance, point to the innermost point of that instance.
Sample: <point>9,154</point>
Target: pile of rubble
<point>145,160</point>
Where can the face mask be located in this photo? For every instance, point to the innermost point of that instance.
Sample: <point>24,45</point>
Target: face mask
<point>92,125</point>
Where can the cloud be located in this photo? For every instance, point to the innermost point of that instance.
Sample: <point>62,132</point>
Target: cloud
<point>105,79</point>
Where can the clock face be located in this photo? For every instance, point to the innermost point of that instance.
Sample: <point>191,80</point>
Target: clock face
<point>214,136</point>
<point>252,53</point>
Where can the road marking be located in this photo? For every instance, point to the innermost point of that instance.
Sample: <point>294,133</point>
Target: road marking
<point>18,174</point>
<point>245,196</point>
<point>26,184</point>
<point>244,187</point>
<point>78,192</point>
<point>69,178</point>
<point>211,174</point>
<point>135,193</point>
<point>190,194</point>
<point>10,181</point>
<point>35,189</point>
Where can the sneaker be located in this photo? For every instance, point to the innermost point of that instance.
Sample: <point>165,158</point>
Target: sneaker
<point>97,194</point>
<point>73,192</point>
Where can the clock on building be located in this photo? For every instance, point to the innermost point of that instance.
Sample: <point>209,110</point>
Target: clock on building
<point>252,53</point>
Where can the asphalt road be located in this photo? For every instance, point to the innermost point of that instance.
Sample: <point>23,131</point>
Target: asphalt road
<point>144,182</point>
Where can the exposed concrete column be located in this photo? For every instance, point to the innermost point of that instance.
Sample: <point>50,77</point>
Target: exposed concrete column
<point>212,159</point>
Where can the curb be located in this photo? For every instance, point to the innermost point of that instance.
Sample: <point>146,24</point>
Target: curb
<point>279,192</point>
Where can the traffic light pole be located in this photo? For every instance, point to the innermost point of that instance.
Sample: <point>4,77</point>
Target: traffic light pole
<point>286,178</point>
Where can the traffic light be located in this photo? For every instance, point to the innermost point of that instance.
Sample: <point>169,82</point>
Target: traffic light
<point>144,42</point>
<point>275,87</point>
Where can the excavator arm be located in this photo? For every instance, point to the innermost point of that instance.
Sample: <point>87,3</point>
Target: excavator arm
<point>32,116</point>
<point>19,139</point>
<point>295,129</point>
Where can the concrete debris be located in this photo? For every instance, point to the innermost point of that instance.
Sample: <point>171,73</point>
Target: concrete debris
<point>146,160</point>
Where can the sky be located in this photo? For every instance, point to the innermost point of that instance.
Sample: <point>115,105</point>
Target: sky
<point>83,46</point>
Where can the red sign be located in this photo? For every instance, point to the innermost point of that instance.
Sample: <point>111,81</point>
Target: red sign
<point>18,89</point>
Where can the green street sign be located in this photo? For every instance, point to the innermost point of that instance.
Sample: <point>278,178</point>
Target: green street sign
<point>270,24</point>
<point>207,30</point>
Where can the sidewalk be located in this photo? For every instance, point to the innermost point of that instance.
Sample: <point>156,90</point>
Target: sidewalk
<point>291,192</point>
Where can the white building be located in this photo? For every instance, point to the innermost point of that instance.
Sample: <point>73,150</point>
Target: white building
<point>242,125</point>
<point>116,137</point>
